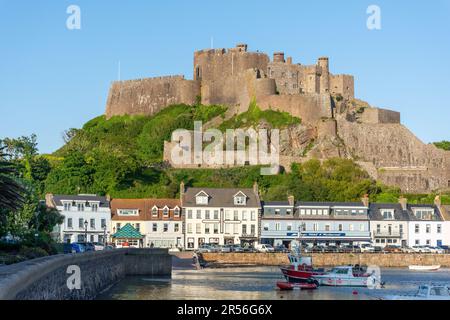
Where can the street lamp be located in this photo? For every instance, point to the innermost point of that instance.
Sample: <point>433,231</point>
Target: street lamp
<point>85,231</point>
<point>104,235</point>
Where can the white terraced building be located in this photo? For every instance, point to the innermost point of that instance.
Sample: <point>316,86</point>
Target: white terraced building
<point>84,214</point>
<point>220,216</point>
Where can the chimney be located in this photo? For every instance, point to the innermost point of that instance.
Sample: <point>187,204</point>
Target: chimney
<point>181,191</point>
<point>291,200</point>
<point>49,200</point>
<point>256,188</point>
<point>365,200</point>
<point>108,197</point>
<point>437,201</point>
<point>403,201</point>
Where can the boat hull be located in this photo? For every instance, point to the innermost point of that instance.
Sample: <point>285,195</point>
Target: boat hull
<point>282,285</point>
<point>299,276</point>
<point>424,268</point>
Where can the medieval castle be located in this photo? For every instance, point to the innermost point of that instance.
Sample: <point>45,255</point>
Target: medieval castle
<point>333,121</point>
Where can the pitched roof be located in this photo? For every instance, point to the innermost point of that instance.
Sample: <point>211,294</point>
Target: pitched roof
<point>329,204</point>
<point>127,232</point>
<point>143,205</point>
<point>399,213</point>
<point>221,197</point>
<point>58,198</point>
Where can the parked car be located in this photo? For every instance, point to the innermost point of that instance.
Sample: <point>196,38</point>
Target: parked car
<point>77,247</point>
<point>367,247</point>
<point>236,248</point>
<point>225,248</point>
<point>421,249</point>
<point>280,248</point>
<point>407,249</point>
<point>206,248</point>
<point>109,247</point>
<point>331,248</point>
<point>392,249</point>
<point>350,248</point>
<point>98,246</point>
<point>264,248</point>
<point>435,249</point>
<point>445,248</point>
<point>89,246</point>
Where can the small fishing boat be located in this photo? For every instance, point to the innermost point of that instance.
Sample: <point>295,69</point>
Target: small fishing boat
<point>300,269</point>
<point>424,268</point>
<point>425,292</point>
<point>348,276</point>
<point>284,285</point>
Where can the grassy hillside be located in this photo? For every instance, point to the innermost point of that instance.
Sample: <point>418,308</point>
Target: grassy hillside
<point>122,156</point>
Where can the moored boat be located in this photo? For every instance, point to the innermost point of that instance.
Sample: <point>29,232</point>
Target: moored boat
<point>425,292</point>
<point>300,269</point>
<point>424,268</point>
<point>350,276</point>
<point>284,285</point>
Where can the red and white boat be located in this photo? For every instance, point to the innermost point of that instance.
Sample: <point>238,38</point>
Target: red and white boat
<point>300,270</point>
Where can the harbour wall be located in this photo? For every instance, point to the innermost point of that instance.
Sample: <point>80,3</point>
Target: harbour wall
<point>330,259</point>
<point>47,278</point>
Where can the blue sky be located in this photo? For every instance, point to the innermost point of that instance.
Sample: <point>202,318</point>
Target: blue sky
<point>52,78</point>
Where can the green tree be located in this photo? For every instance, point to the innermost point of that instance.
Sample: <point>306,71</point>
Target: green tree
<point>11,190</point>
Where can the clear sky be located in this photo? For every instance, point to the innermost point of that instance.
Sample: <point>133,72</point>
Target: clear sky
<point>53,78</point>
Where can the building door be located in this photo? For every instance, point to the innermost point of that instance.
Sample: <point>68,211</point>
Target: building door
<point>439,243</point>
<point>390,229</point>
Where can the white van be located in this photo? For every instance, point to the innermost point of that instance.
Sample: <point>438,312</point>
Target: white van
<point>264,248</point>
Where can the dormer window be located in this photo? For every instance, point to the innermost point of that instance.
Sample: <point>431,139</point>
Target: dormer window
<point>155,211</point>
<point>94,207</point>
<point>80,206</point>
<point>176,212</point>
<point>240,199</point>
<point>201,198</point>
<point>166,211</point>
<point>424,213</point>
<point>387,214</point>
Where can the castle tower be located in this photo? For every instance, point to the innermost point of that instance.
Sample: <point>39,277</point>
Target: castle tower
<point>325,75</point>
<point>278,57</point>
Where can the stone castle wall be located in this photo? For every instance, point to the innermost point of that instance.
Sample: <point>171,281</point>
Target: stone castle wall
<point>377,115</point>
<point>149,96</point>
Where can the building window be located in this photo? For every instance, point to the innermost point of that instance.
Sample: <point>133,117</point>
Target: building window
<point>424,214</point>
<point>302,212</point>
<point>253,215</point>
<point>165,227</point>
<point>80,238</point>
<point>94,207</point>
<point>81,223</point>
<point>189,228</point>
<point>216,228</point>
<point>428,242</point>
<point>327,227</point>
<point>252,229</point>
<point>69,223</point>
<point>176,212</point>
<point>428,228</point>
<point>166,212</point>
<point>216,214</point>
<point>207,228</point>
<point>235,228</point>
<point>351,228</point>
<point>388,214</point>
<point>417,228</point>
<point>439,228</point>
<point>239,200</point>
<point>244,215</point>
<point>315,227</point>
<point>198,228</point>
<point>235,215</point>
<point>155,227</point>
<point>289,227</point>
<point>189,214</point>
<point>361,227</point>
<point>66,206</point>
<point>277,226</point>
<point>400,229</point>
<point>277,212</point>
<point>103,223</point>
<point>266,227</point>
<point>203,199</point>
<point>288,211</point>
<point>417,242</point>
<point>80,206</point>
<point>199,214</point>
<point>340,227</point>
<point>92,223</point>
<point>137,226</point>
<point>118,225</point>
<point>176,227</point>
<point>227,228</point>
<point>207,215</point>
<point>244,229</point>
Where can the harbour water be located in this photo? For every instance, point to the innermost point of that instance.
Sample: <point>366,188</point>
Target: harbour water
<point>255,283</point>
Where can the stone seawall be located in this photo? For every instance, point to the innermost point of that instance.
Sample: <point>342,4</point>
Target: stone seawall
<point>330,259</point>
<point>46,278</point>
